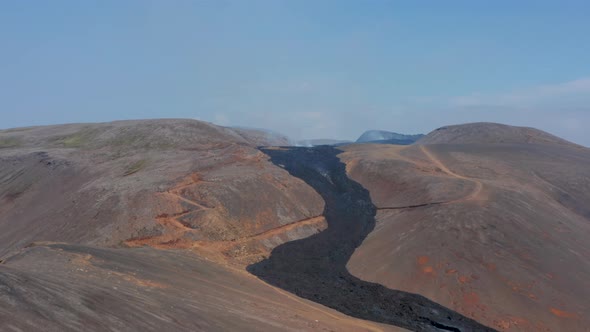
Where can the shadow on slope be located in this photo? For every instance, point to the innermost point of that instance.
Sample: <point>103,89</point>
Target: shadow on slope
<point>315,267</point>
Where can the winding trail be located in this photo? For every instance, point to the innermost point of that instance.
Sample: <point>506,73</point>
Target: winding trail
<point>176,191</point>
<point>314,268</point>
<point>188,201</point>
<point>473,195</point>
<point>313,221</point>
<point>176,228</point>
<point>478,185</point>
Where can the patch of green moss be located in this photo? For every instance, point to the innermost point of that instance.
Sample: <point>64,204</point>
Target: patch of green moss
<point>9,142</point>
<point>78,139</point>
<point>139,141</point>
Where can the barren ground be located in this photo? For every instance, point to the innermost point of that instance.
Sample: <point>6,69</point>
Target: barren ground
<point>145,225</point>
<point>494,231</point>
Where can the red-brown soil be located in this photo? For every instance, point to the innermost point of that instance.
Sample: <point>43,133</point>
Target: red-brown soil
<point>495,231</point>
<point>169,184</point>
<point>491,222</point>
<point>164,183</point>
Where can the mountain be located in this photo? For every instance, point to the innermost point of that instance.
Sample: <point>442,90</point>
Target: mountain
<point>492,225</point>
<point>76,199</point>
<point>387,137</point>
<point>490,133</point>
<point>182,224</point>
<point>166,183</point>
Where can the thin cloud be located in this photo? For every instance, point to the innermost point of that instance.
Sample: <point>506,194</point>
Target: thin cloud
<point>323,108</point>
<point>561,109</point>
<point>534,96</point>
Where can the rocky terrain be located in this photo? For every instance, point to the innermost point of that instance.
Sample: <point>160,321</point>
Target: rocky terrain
<point>64,287</point>
<point>164,183</point>
<point>489,133</point>
<point>315,267</point>
<point>495,231</point>
<point>184,225</point>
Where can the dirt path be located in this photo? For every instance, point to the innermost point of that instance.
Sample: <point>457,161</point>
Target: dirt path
<point>478,185</point>
<point>286,228</point>
<point>473,195</point>
<point>175,191</point>
<point>176,229</point>
<point>172,223</point>
<point>188,201</point>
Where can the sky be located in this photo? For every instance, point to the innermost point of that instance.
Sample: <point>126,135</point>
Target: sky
<point>308,69</point>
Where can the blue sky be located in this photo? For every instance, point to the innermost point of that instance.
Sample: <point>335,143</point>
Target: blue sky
<point>309,69</point>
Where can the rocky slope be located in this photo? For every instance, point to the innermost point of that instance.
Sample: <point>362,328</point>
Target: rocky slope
<point>165,183</point>
<point>493,230</point>
<point>489,133</point>
<point>64,287</point>
<point>475,232</point>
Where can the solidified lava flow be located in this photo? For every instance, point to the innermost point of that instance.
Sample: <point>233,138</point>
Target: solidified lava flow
<point>314,268</point>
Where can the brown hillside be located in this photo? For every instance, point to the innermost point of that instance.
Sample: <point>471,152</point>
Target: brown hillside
<point>486,228</point>
<point>488,133</point>
<point>497,232</point>
<point>165,183</point>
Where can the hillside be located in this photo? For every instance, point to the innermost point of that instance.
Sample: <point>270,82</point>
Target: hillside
<point>166,183</point>
<point>64,287</point>
<point>494,231</point>
<point>490,133</point>
<point>172,223</point>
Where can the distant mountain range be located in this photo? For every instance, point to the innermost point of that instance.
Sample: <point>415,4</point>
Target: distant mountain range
<point>382,136</point>
<point>369,136</point>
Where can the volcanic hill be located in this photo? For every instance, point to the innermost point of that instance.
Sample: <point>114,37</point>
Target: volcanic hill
<point>185,225</point>
<point>491,221</point>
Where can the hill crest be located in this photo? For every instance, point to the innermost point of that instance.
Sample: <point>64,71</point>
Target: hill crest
<point>490,133</point>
